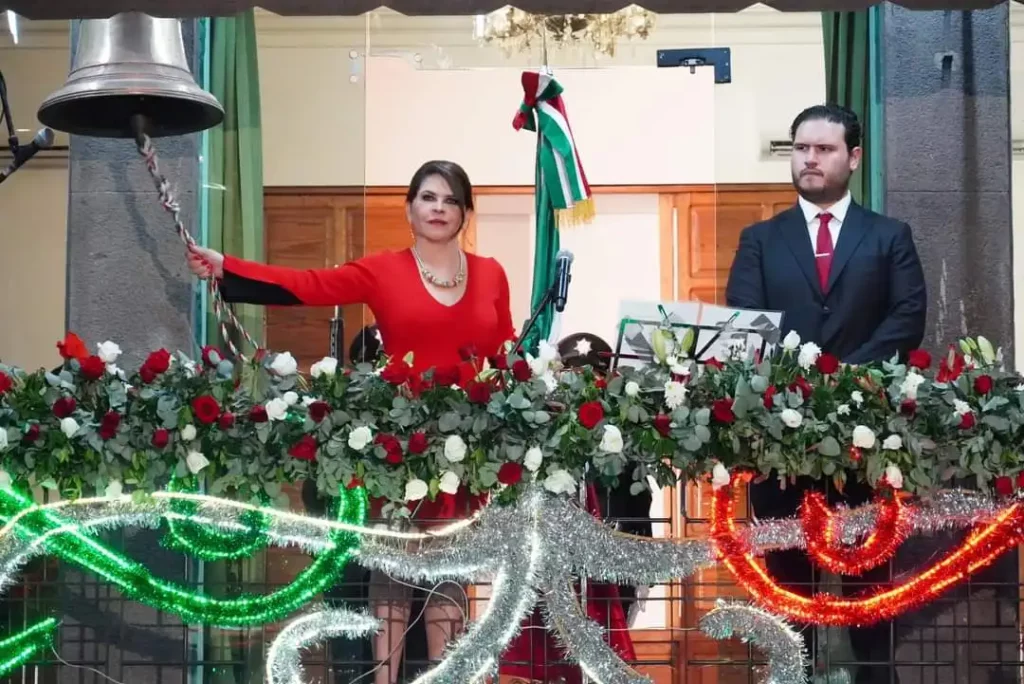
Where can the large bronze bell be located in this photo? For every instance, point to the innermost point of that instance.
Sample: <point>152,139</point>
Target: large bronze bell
<point>130,72</point>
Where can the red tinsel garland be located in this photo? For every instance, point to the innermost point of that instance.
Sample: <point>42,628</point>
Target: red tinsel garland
<point>891,529</point>
<point>982,547</point>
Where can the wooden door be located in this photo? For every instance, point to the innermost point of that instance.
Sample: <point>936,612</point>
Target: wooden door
<point>700,232</point>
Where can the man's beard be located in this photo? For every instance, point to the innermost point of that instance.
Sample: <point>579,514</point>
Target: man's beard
<point>826,194</point>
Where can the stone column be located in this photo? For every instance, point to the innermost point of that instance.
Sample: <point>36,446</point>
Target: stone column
<point>947,146</point>
<point>127,281</point>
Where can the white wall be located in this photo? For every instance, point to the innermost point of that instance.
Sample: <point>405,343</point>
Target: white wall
<point>320,99</point>
<point>33,204</point>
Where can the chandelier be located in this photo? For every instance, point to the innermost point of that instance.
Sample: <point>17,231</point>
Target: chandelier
<point>514,30</point>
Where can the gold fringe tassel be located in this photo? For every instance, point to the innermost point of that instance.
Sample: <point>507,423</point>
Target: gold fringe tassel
<point>578,214</point>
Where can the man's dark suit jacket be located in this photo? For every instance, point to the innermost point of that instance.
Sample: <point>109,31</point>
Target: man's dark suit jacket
<point>875,304</point>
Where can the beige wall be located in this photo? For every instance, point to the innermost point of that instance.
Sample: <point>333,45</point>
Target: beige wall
<point>33,206</point>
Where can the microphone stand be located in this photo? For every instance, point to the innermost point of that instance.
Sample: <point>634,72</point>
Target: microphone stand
<point>548,297</point>
<point>5,112</point>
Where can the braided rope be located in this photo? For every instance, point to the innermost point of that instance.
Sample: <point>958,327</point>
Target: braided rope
<point>224,312</point>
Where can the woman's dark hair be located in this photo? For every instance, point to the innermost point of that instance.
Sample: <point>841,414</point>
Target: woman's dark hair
<point>453,174</point>
<point>598,358</point>
<point>366,346</point>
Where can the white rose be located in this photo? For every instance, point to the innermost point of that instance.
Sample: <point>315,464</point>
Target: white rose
<point>114,490</point>
<point>359,438</point>
<point>196,462</point>
<point>291,398</point>
<point>893,443</point>
<point>910,384</point>
<point>893,476</point>
<point>449,482</point>
<point>559,481</point>
<point>792,418</point>
<point>284,364</point>
<point>3,438</point>
<point>534,457</point>
<point>277,409</point>
<point>112,369</point>
<point>69,426</point>
<point>857,397</point>
<point>719,476</point>
<point>632,389</point>
<point>108,352</point>
<point>961,407</point>
<point>415,490</point>
<point>809,353</point>
<point>307,401</point>
<point>5,480</point>
<point>863,437</point>
<point>791,341</point>
<point>454,449</point>
<point>843,409</point>
<point>611,441</point>
<point>326,366</point>
<point>547,351</point>
<point>188,433</point>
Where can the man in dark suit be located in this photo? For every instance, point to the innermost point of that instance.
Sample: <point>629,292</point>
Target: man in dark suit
<point>849,280</point>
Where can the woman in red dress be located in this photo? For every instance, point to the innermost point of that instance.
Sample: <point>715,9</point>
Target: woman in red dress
<point>433,300</point>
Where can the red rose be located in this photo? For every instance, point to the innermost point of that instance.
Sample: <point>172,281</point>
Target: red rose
<point>983,384</point>
<point>855,454</point>
<point>1004,486</point>
<point>967,421</point>
<point>258,414</point>
<point>721,409</point>
<point>500,362</point>
<point>663,424</point>
<point>392,448</point>
<point>419,384</point>
<point>479,392</point>
<point>591,413</point>
<point>828,364</point>
<point>72,347</point>
<point>64,407</point>
<point>714,363</point>
<point>92,367</point>
<point>600,383</point>
<point>354,482</point>
<point>31,434</point>
<point>446,376</point>
<point>769,397</point>
<point>951,367</point>
<point>318,410</point>
<point>521,371</point>
<point>159,361</point>
<point>396,372</point>
<point>510,473</point>
<point>802,386</point>
<point>5,382</point>
<point>108,425</point>
<point>919,358</point>
<point>1020,479</point>
<point>147,374</point>
<point>206,409</point>
<point>226,421</point>
<point>304,449</point>
<point>908,407</point>
<point>418,443</point>
<point>160,438</point>
<point>211,356</point>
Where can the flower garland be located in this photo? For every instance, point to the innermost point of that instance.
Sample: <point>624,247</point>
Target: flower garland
<point>488,425</point>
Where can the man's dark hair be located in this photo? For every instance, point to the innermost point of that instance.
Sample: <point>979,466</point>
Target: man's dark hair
<point>832,113</point>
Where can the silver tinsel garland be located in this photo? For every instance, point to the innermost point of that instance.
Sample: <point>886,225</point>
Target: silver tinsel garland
<point>535,549</point>
<point>787,657</point>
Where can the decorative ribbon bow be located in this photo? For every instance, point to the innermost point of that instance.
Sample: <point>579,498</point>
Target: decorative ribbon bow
<point>558,161</point>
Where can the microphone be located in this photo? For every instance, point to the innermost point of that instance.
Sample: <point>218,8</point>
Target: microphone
<point>43,140</point>
<point>562,279</point>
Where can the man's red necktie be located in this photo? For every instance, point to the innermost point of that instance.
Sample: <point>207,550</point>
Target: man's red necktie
<point>823,250</point>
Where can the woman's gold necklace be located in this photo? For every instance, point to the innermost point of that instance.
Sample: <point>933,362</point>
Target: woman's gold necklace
<point>460,275</point>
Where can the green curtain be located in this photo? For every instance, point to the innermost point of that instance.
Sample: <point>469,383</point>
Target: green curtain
<point>235,155</point>
<point>852,80</point>
<point>234,224</point>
